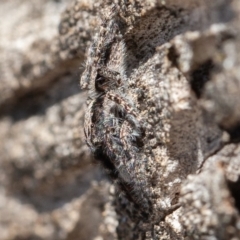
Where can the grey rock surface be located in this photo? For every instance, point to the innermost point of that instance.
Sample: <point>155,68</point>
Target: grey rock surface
<point>183,78</point>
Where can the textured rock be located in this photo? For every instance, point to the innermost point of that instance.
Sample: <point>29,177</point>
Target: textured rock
<point>182,68</point>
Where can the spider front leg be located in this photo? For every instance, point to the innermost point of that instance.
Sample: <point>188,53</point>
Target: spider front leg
<point>108,49</point>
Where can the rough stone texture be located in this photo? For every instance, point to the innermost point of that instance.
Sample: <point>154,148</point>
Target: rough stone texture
<point>184,80</point>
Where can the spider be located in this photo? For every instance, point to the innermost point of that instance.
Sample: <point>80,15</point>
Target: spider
<point>112,128</point>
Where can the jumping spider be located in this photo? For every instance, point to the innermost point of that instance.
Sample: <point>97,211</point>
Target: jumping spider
<point>112,128</point>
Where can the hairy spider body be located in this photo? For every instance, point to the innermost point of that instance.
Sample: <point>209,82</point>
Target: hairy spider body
<point>112,128</point>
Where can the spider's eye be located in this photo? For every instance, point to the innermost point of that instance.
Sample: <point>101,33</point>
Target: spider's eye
<point>100,83</point>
